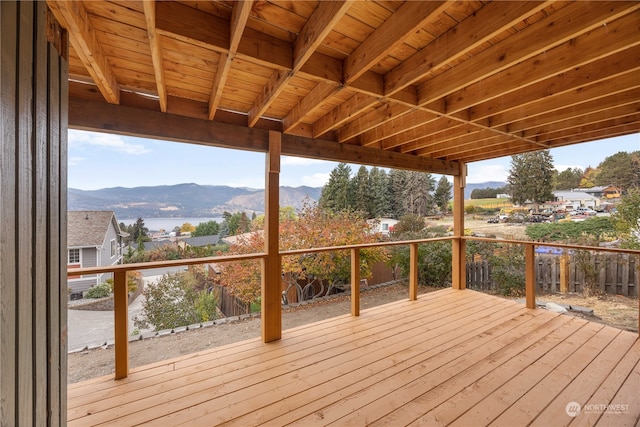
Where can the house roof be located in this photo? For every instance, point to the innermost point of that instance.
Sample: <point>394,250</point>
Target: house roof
<point>202,240</point>
<point>408,84</point>
<point>154,244</point>
<point>573,195</point>
<point>88,228</point>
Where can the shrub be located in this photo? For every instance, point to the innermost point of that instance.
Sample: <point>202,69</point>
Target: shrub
<point>177,299</point>
<point>98,291</point>
<point>507,270</point>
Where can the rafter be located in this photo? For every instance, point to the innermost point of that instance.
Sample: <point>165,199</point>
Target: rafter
<point>156,54</point>
<point>86,44</point>
<point>239,18</point>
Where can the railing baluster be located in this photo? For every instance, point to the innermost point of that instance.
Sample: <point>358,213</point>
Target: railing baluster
<point>413,271</point>
<point>355,282</point>
<point>530,275</point>
<point>121,322</point>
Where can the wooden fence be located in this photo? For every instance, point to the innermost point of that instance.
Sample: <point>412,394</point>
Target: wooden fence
<point>609,273</point>
<point>228,304</point>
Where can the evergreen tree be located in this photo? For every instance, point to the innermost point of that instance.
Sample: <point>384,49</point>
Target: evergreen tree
<point>379,206</point>
<point>360,192</point>
<point>531,178</point>
<point>621,170</point>
<point>416,194</point>
<point>397,182</point>
<point>568,179</point>
<point>138,232</point>
<point>209,228</point>
<point>335,194</point>
<point>442,194</point>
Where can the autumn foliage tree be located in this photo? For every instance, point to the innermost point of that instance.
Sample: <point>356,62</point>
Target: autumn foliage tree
<point>313,228</point>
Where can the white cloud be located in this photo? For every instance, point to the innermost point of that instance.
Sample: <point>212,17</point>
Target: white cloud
<point>484,173</point>
<point>316,180</point>
<point>78,139</point>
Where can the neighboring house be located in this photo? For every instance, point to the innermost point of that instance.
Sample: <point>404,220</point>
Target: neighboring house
<point>201,241</point>
<point>383,225</point>
<point>94,239</point>
<point>570,200</point>
<point>153,245</point>
<point>603,192</point>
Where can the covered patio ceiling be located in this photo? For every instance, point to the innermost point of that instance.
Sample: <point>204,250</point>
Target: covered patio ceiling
<point>422,85</point>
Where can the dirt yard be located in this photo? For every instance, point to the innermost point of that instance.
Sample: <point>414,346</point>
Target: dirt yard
<point>481,227</point>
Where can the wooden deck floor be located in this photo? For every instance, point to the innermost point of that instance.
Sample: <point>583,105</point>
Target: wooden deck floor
<point>458,358</point>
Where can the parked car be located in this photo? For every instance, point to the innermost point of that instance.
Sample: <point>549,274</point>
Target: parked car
<point>583,211</point>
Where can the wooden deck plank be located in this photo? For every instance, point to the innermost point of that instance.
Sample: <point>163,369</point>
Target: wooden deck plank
<point>249,363</point>
<point>360,335</point>
<point>489,408</point>
<point>621,410</point>
<point>364,370</point>
<point>587,382</point>
<point>451,356</point>
<point>462,390</point>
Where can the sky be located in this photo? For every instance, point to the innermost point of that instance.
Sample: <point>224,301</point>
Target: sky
<point>99,160</point>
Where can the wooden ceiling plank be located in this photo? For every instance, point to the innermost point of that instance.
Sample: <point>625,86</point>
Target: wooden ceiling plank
<point>624,62</point>
<point>321,23</point>
<point>123,120</point>
<point>404,22</point>
<point>239,17</point>
<point>87,47</point>
<point>309,104</point>
<point>342,113</point>
<point>550,104</point>
<point>594,46</point>
<point>316,29</point>
<point>444,134</point>
<point>567,23</point>
<point>591,123</point>
<point>371,119</point>
<point>156,54</point>
<point>443,149</point>
<point>401,125</point>
<point>492,19</point>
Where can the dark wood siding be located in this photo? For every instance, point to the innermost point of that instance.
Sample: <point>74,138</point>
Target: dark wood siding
<point>33,119</point>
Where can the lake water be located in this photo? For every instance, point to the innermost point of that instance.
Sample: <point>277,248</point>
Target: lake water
<point>168,224</point>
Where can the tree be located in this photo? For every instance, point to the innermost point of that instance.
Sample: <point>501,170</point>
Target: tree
<point>531,178</point>
<point>235,224</point>
<point>379,193</point>
<point>397,182</point>
<point>416,195</point>
<point>487,192</point>
<point>209,228</point>
<point>442,194</point>
<point>621,170</point>
<point>360,192</point>
<point>137,232</point>
<point>335,194</point>
<point>569,179</point>
<point>187,228</point>
<point>626,219</point>
<point>588,177</point>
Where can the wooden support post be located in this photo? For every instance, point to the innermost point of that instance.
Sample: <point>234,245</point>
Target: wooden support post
<point>564,272</point>
<point>271,268</point>
<point>637,288</point>
<point>530,275</point>
<point>355,282</point>
<point>413,271</point>
<point>121,322</point>
<point>458,258</point>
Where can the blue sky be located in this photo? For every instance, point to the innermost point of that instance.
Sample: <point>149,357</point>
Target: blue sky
<point>98,160</point>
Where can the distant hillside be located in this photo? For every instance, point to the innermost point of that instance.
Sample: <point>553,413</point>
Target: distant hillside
<point>489,184</point>
<point>182,200</point>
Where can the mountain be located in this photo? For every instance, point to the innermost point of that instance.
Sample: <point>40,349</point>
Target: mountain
<point>489,184</point>
<point>183,200</point>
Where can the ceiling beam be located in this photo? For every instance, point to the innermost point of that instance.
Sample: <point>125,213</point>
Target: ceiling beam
<point>405,21</point>
<point>156,54</point>
<point>315,30</point>
<point>239,17</point>
<point>85,42</point>
<point>103,117</point>
<point>308,104</point>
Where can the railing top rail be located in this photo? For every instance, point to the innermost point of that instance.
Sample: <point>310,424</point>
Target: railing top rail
<point>555,245</point>
<point>261,255</point>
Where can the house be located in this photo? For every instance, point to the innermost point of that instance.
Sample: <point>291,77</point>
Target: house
<point>94,239</point>
<point>201,241</point>
<point>383,225</point>
<point>154,244</point>
<point>603,192</point>
<point>570,200</point>
<point>416,85</point>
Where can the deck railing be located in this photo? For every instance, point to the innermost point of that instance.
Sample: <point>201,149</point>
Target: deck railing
<point>121,303</point>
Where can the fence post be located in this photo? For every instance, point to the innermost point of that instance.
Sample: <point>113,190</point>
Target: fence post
<point>564,272</point>
<point>355,282</point>
<point>121,323</point>
<point>530,275</point>
<point>413,271</point>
